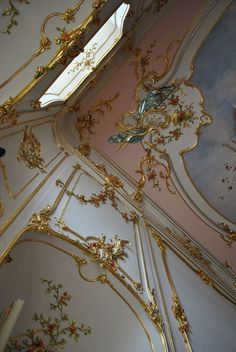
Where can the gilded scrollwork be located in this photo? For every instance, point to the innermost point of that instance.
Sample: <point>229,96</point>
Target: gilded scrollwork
<point>193,250</point>
<point>30,151</point>
<point>161,119</point>
<point>8,113</point>
<point>180,315</point>
<point>108,252</point>
<point>41,220</point>
<point>152,309</point>
<point>85,122</point>
<point>230,236</point>
<point>69,48</point>
<point>205,278</point>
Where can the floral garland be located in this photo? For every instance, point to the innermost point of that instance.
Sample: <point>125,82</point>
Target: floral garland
<point>53,331</point>
<point>103,197</point>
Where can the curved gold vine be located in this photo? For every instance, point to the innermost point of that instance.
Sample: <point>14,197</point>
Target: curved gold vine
<point>45,42</point>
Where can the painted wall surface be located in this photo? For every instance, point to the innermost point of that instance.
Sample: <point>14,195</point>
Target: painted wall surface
<point>215,75</point>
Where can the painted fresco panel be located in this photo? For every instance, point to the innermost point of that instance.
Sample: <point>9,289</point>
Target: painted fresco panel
<point>212,164</point>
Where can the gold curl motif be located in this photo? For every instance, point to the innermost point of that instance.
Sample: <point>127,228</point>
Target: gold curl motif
<point>45,42</point>
<point>160,118</point>
<point>7,110</point>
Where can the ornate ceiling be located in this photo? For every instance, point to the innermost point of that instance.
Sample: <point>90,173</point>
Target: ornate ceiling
<point>154,120</point>
<point>137,162</point>
<point>148,108</point>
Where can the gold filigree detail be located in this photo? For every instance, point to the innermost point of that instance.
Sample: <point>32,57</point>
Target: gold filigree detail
<point>8,113</point>
<point>107,194</point>
<point>193,250</point>
<point>206,278</point>
<point>84,149</point>
<point>230,238</point>
<point>11,12</point>
<point>110,179</point>
<point>152,309</point>
<point>41,220</point>
<point>86,122</point>
<point>35,104</point>
<point>109,252</point>
<point>160,118</point>
<point>180,315</point>
<point>67,50</point>
<point>30,151</point>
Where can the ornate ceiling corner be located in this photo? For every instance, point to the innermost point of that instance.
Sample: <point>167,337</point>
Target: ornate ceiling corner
<point>71,42</point>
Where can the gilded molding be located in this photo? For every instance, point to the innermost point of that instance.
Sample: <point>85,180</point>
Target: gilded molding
<point>22,206</point>
<point>41,220</point>
<point>205,278</point>
<point>177,308</point>
<point>7,184</point>
<point>152,309</point>
<point>30,151</point>
<point>180,315</point>
<point>106,195</point>
<point>230,236</point>
<point>192,249</point>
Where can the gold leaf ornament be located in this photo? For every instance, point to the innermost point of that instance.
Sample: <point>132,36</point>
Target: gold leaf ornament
<point>30,151</point>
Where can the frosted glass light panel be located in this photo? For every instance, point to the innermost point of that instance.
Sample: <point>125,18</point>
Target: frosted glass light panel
<point>82,65</point>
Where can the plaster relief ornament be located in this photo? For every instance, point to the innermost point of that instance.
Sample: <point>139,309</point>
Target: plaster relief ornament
<point>53,331</point>
<point>30,150</point>
<point>109,252</point>
<point>8,113</point>
<point>167,118</point>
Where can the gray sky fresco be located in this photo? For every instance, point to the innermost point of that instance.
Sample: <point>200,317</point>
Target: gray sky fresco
<point>211,165</point>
